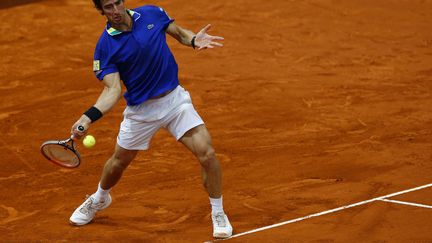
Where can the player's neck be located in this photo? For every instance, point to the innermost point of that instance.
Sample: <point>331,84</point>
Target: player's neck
<point>126,25</point>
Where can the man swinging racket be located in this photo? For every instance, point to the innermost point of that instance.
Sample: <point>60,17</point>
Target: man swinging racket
<point>133,49</point>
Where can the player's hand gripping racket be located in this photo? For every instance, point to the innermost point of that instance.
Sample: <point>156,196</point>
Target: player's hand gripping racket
<point>63,153</point>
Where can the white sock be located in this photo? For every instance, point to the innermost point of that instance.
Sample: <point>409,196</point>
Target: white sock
<point>101,194</point>
<point>216,205</point>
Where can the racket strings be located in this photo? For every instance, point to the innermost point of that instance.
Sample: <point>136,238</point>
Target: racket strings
<point>61,152</point>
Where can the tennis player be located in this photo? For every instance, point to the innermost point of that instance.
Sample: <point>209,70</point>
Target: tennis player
<point>133,49</point>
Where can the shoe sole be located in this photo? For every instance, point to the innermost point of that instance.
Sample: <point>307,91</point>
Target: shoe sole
<point>221,236</point>
<point>77,224</point>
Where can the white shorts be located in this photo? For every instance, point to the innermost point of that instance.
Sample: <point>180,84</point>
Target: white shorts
<point>174,112</point>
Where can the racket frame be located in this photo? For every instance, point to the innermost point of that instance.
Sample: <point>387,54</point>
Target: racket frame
<point>66,144</point>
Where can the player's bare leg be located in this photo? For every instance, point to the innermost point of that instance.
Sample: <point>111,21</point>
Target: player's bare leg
<point>115,166</point>
<point>111,174</point>
<point>198,141</point>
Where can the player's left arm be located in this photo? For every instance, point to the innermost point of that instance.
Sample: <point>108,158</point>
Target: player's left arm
<point>201,40</point>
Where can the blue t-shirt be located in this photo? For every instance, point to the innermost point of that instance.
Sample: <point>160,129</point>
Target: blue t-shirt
<point>141,56</point>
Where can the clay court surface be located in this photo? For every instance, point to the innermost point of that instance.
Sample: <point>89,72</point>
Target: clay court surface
<point>312,105</point>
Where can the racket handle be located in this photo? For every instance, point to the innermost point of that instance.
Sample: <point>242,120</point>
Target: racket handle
<point>80,128</point>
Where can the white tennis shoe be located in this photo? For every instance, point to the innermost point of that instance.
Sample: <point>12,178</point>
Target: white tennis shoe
<point>87,211</point>
<point>221,226</point>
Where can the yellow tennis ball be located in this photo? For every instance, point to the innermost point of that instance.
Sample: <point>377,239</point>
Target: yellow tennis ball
<point>89,141</point>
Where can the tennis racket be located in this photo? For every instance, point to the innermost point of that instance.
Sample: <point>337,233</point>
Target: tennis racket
<point>63,152</point>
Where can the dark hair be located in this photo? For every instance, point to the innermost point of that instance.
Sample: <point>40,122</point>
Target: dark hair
<point>98,4</point>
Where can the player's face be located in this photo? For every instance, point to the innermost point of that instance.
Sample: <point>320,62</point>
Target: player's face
<point>114,10</point>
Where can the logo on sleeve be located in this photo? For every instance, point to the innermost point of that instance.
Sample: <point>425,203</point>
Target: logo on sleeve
<point>150,26</point>
<point>96,65</point>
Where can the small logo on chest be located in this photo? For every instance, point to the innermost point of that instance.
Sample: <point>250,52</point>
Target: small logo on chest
<point>150,26</point>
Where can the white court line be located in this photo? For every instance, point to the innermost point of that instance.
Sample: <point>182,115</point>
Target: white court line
<point>407,203</point>
<point>328,211</point>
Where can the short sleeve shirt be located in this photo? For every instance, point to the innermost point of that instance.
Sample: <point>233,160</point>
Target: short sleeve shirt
<point>141,56</point>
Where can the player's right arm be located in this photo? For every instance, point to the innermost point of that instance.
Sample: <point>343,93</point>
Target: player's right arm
<point>110,95</point>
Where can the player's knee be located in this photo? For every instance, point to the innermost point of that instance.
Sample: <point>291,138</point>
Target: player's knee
<point>120,166</point>
<point>118,163</point>
<point>207,157</point>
